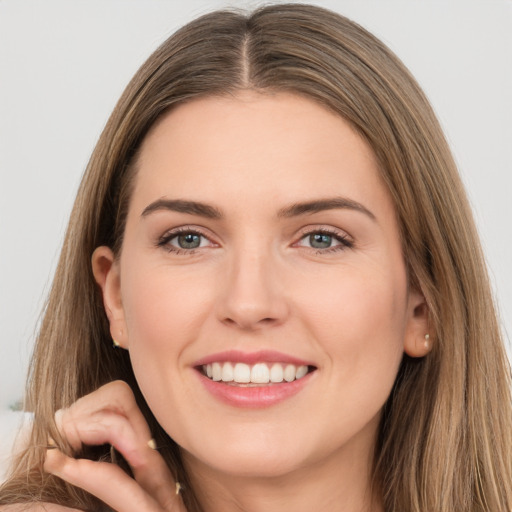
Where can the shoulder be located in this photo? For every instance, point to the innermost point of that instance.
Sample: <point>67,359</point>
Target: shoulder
<point>36,507</point>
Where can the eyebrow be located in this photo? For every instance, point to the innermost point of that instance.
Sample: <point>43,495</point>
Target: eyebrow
<point>294,210</point>
<point>183,206</point>
<point>320,205</point>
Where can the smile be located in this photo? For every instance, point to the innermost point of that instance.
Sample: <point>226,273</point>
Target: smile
<point>254,380</point>
<point>257,374</point>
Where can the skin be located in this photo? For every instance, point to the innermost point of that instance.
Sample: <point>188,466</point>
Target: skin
<point>256,282</point>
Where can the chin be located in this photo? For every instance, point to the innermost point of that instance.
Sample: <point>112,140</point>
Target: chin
<point>249,464</point>
<point>248,452</point>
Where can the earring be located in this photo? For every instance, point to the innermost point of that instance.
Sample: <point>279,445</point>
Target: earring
<point>115,343</point>
<point>427,341</point>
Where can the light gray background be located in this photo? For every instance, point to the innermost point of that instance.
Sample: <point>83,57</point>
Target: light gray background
<point>63,64</point>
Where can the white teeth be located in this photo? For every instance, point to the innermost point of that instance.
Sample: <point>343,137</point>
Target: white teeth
<point>276,373</point>
<point>242,373</point>
<point>301,372</point>
<point>227,372</point>
<point>289,373</point>
<point>216,371</point>
<point>260,373</point>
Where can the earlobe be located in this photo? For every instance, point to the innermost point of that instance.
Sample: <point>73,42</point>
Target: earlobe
<point>418,340</point>
<point>106,273</point>
<point>418,347</point>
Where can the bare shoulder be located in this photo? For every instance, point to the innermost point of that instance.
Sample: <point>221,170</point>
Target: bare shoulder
<point>36,507</point>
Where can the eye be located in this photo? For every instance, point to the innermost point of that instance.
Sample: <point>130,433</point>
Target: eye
<point>325,241</point>
<point>184,240</point>
<point>320,240</point>
<point>187,241</point>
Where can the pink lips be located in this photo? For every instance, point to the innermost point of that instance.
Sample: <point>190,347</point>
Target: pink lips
<point>255,397</point>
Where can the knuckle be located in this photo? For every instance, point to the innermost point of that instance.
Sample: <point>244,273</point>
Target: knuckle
<point>124,401</point>
<point>114,424</point>
<point>122,393</point>
<point>120,386</point>
<point>82,467</point>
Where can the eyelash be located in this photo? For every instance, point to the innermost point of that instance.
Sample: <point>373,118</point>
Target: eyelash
<point>344,241</point>
<point>165,239</point>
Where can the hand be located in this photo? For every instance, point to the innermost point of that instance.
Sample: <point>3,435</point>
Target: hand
<point>111,415</point>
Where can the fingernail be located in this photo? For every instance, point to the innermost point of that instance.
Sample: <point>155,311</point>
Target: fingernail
<point>53,461</point>
<point>58,417</point>
<point>152,444</point>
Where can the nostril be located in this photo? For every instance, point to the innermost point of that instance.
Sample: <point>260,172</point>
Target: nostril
<point>249,324</point>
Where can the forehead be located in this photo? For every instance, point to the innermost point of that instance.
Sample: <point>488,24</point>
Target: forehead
<point>253,146</point>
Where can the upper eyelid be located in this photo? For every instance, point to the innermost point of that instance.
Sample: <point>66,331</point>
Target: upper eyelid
<point>171,233</point>
<point>323,229</point>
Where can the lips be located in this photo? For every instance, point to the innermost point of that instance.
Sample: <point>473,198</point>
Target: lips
<point>257,379</point>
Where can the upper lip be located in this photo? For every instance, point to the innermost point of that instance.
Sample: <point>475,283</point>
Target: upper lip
<point>260,356</point>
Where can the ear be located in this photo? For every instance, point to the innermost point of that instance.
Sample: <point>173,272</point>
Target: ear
<point>418,339</point>
<point>106,273</point>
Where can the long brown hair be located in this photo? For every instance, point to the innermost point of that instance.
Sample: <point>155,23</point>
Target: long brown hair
<point>445,436</point>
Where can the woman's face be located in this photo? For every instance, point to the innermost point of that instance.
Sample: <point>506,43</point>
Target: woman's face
<point>261,244</point>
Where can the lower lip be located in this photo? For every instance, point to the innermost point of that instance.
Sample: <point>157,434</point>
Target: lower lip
<point>254,397</point>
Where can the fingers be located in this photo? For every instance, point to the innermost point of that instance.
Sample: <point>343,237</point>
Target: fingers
<point>110,415</point>
<point>153,474</point>
<point>115,397</point>
<point>106,481</point>
<point>104,427</point>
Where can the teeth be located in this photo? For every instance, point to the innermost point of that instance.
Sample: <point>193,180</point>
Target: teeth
<point>289,373</point>
<point>227,372</point>
<point>276,373</point>
<point>301,372</point>
<point>242,373</point>
<point>216,371</point>
<point>260,373</point>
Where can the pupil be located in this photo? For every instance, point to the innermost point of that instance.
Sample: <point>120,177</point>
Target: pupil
<point>189,241</point>
<point>320,241</point>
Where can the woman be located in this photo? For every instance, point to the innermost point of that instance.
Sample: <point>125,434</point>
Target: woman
<point>284,256</point>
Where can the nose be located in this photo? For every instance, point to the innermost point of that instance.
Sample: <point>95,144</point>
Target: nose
<point>252,295</point>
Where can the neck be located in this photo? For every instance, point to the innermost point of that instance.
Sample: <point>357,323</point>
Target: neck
<point>340,482</point>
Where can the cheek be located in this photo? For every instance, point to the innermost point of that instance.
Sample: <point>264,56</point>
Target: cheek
<point>356,301</point>
<point>164,312</point>
<point>162,308</point>
<point>359,327</point>
<point>360,322</point>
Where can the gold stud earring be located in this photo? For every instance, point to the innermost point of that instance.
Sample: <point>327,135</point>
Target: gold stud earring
<point>115,343</point>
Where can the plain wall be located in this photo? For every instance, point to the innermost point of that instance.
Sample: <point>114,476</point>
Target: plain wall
<point>63,65</point>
